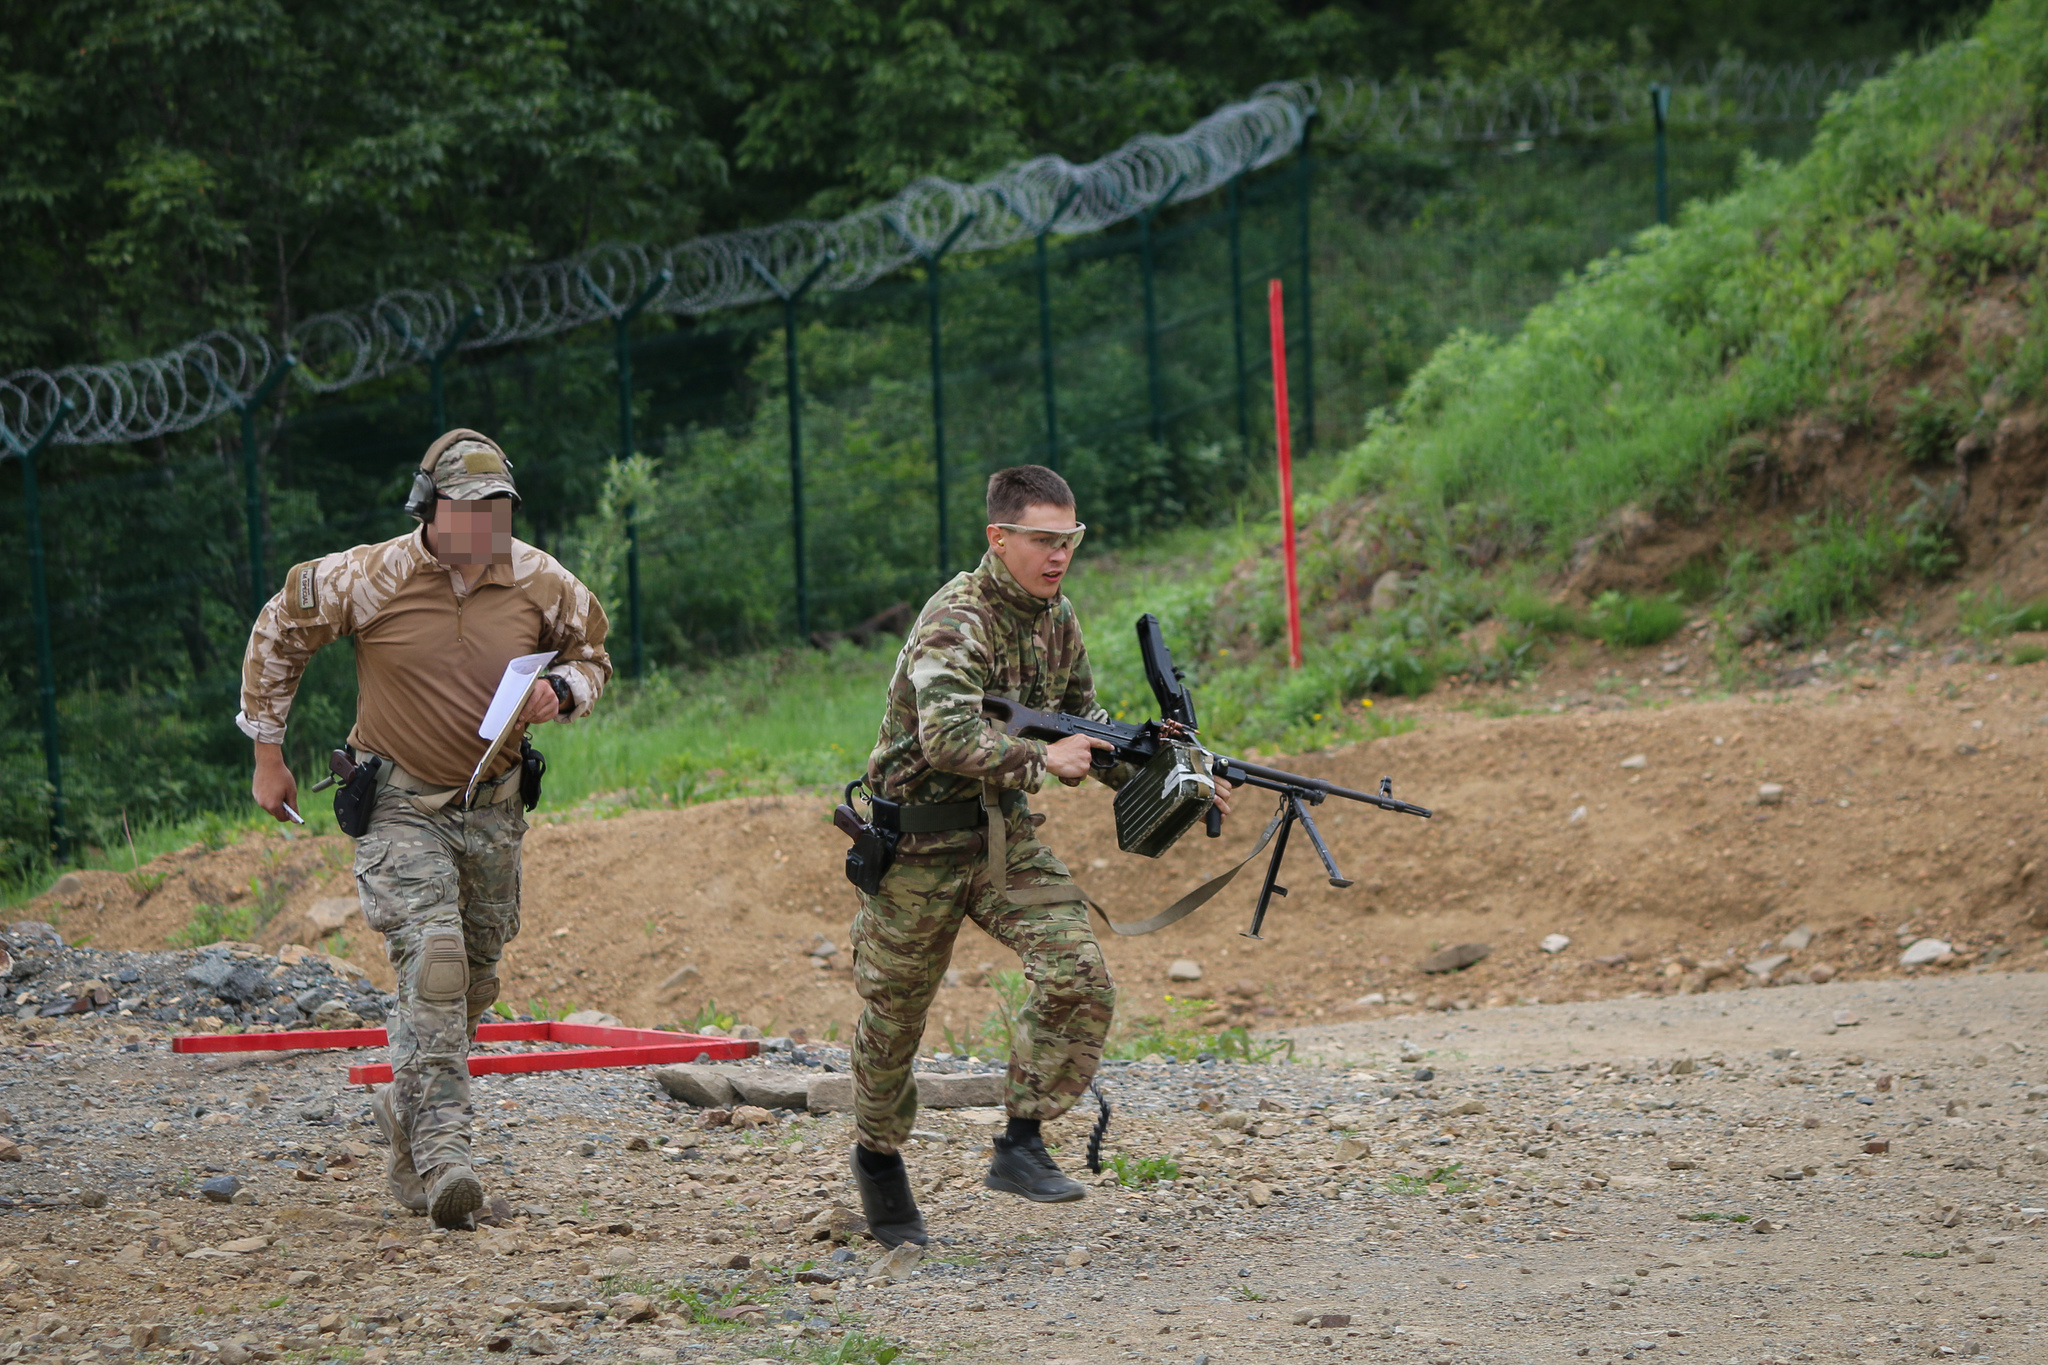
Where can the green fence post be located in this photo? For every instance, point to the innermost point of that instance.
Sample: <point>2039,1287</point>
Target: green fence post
<point>1308,327</point>
<point>1145,270</point>
<point>39,591</point>
<point>622,346</point>
<point>252,478</point>
<point>1244,397</point>
<point>1052,413</point>
<point>931,258</point>
<point>1660,108</point>
<point>793,396</point>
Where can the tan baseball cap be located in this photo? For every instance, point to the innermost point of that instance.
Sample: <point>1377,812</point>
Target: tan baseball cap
<point>467,464</point>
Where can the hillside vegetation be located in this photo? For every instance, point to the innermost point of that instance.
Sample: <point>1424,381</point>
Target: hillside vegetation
<point>1815,391</point>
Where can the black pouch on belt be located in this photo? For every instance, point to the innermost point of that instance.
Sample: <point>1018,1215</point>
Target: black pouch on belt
<point>533,766</point>
<point>356,797</point>
<point>874,847</point>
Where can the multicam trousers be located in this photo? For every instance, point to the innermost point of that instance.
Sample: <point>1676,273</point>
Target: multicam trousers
<point>442,886</point>
<point>902,942</point>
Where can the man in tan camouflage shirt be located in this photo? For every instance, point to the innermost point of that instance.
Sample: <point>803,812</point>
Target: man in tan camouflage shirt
<point>436,614</point>
<point>1005,629</point>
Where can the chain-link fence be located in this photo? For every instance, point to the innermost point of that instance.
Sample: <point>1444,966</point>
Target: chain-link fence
<point>1131,357</point>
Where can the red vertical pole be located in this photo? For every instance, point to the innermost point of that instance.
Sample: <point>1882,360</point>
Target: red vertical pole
<point>1277,317</point>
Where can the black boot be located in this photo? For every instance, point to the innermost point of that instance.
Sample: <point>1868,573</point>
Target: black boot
<point>1023,1166</point>
<point>886,1199</point>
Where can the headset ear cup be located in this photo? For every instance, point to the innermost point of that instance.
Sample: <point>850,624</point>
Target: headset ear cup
<point>421,499</point>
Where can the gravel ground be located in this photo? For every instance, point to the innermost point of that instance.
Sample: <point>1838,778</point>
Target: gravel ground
<point>1847,1170</point>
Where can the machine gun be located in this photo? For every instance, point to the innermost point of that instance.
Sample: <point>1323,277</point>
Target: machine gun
<point>1176,782</point>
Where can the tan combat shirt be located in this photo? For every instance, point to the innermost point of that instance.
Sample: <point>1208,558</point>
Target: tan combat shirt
<point>428,654</point>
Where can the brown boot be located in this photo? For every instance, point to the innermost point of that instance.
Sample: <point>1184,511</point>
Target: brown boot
<point>453,1194</point>
<point>406,1186</point>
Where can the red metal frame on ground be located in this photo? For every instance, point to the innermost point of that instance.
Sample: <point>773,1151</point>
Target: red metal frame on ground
<point>598,1044</point>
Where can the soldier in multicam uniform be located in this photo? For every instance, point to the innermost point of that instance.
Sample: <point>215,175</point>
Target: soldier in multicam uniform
<point>436,615</point>
<point>969,848</point>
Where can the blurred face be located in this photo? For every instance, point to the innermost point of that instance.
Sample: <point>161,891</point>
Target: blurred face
<point>471,531</point>
<point>1038,547</point>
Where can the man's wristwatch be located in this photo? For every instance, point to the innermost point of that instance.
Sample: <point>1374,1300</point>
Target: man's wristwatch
<point>563,699</point>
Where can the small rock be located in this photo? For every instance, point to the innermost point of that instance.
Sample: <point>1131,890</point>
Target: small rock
<point>595,1018</point>
<point>1470,1107</point>
<point>1636,761</point>
<point>1764,966</point>
<point>1798,940</point>
<point>1351,1149</point>
<point>699,1084</point>
<point>1388,591</point>
<point>1234,1119</point>
<point>1763,1225</point>
<point>1682,1163</point>
<point>1846,1019</point>
<point>243,1246</point>
<point>586,1148</point>
<point>10,1150</point>
<point>1077,1258</point>
<point>752,1116</point>
<point>1259,1193</point>
<point>220,1190</point>
<point>896,1266</point>
<point>823,947</point>
<point>1554,943</point>
<point>1820,973</point>
<point>333,1014</point>
<point>149,1336</point>
<point>1879,1147</point>
<point>317,1110</point>
<point>330,913</point>
<point>92,1199</point>
<point>1424,1073</point>
<point>633,1308</point>
<point>1410,1052</point>
<point>1184,969</point>
<point>36,931</point>
<point>303,1279</point>
<point>1923,951</point>
<point>67,886</point>
<point>1456,958</point>
<point>1770,794</point>
<point>738,1260</point>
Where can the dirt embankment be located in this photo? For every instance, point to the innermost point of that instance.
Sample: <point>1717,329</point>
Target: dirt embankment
<point>1910,807</point>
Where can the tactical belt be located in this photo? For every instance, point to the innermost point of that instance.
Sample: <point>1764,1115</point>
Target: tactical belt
<point>430,797</point>
<point>932,818</point>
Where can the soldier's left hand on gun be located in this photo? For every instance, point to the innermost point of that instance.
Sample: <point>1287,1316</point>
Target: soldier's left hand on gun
<point>542,705</point>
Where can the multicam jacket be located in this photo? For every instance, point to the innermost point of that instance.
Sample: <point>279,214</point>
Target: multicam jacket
<point>981,634</point>
<point>429,652</point>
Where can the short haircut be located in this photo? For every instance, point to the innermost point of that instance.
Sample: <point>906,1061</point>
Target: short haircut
<point>1010,491</point>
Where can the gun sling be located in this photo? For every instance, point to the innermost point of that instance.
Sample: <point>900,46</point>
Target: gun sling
<point>1200,896</point>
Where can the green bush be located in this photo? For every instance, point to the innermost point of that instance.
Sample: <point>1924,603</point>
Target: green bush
<point>1624,621</point>
<point>1988,615</point>
<point>212,923</point>
<point>1839,563</point>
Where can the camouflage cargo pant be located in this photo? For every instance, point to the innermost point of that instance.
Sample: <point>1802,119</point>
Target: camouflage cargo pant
<point>902,944</point>
<point>442,886</point>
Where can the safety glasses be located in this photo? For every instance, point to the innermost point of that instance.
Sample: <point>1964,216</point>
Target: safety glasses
<point>1046,537</point>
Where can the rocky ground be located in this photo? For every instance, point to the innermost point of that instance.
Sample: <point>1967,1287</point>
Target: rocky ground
<point>1851,1170</point>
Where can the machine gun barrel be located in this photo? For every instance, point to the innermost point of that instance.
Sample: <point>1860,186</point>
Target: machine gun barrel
<point>1239,773</point>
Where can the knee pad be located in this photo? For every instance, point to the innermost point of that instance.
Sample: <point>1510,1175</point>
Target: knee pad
<point>444,968</point>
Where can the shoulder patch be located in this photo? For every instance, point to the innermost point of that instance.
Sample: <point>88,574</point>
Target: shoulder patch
<point>302,591</point>
<point>482,462</point>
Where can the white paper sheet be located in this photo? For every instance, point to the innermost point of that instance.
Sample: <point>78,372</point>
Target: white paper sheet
<point>505,705</point>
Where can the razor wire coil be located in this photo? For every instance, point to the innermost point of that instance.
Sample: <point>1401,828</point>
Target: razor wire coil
<point>210,375</point>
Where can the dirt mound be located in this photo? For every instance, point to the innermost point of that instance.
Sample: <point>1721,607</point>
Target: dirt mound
<point>1907,810</point>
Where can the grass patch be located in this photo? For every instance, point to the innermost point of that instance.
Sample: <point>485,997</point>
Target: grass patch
<point>1715,1216</point>
<point>1989,615</point>
<point>212,923</point>
<point>1626,621</point>
<point>855,1348</point>
<point>2026,654</point>
<point>1175,1035</point>
<point>1927,1255</point>
<point>702,1308</point>
<point>1144,1171</point>
<point>762,723</point>
<point>1442,1180</point>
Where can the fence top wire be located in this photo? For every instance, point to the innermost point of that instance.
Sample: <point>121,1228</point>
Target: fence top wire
<point>212,374</point>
